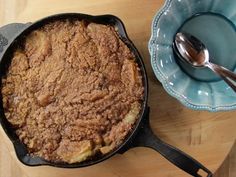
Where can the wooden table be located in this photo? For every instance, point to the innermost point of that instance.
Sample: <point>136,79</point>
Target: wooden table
<point>206,136</point>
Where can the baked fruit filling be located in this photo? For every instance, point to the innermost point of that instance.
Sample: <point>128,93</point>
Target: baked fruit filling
<point>73,91</point>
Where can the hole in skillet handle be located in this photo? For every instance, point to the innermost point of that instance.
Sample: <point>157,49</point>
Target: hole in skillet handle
<point>146,138</point>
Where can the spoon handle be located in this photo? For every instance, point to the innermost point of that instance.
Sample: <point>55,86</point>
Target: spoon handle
<point>228,76</point>
<point>225,71</point>
<point>229,83</point>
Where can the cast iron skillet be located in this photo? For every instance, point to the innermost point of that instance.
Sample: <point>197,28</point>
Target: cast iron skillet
<point>141,135</point>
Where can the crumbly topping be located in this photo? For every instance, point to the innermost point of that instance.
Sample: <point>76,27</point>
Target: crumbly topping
<point>73,90</point>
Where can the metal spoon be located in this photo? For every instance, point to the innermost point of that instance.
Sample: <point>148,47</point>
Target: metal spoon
<point>192,50</point>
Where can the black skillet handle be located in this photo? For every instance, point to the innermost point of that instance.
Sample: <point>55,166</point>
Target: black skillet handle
<point>8,33</point>
<point>146,138</point>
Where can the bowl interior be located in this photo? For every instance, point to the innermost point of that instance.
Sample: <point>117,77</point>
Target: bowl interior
<point>218,35</point>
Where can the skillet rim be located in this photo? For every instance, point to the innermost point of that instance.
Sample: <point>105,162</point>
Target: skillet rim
<point>20,148</point>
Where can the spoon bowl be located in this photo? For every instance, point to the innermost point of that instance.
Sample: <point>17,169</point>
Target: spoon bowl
<point>190,49</point>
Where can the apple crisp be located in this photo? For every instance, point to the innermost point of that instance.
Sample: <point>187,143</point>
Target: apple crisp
<point>73,91</point>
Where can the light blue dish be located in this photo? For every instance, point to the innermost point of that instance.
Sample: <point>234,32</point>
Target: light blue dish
<point>198,89</point>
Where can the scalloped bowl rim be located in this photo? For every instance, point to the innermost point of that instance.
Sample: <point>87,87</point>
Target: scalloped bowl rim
<point>164,82</point>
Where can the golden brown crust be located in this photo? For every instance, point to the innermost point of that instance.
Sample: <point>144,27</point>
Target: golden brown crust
<point>72,90</point>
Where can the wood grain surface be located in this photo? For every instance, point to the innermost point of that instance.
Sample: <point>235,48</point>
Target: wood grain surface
<point>208,137</point>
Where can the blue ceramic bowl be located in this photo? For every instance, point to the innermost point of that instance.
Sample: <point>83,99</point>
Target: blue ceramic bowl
<point>213,22</point>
